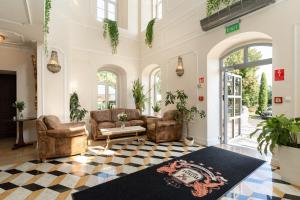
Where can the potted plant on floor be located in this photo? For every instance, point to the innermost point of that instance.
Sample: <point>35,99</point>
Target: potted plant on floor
<point>282,132</point>
<point>20,106</point>
<point>76,114</point>
<point>185,114</point>
<point>138,95</point>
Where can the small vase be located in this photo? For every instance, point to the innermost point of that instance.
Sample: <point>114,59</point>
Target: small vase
<point>20,115</point>
<point>122,124</point>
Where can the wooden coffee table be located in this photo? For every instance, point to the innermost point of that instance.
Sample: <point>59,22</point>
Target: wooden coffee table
<point>119,131</point>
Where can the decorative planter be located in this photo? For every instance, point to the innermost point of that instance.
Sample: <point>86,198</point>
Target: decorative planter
<point>232,12</point>
<point>188,142</point>
<point>289,162</point>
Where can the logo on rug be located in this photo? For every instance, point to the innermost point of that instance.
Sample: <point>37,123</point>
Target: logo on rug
<point>200,179</point>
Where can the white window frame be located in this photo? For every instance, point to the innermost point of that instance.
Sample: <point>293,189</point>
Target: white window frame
<point>107,88</point>
<point>153,92</point>
<point>106,2</point>
<point>155,6</point>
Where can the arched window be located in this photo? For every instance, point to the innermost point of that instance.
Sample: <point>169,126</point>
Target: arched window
<point>107,90</point>
<point>106,9</point>
<point>157,9</point>
<point>155,86</point>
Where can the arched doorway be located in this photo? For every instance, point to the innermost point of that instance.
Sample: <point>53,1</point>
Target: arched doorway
<point>247,91</point>
<point>215,74</point>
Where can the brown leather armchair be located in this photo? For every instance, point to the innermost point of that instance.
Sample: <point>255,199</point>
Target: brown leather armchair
<point>56,139</point>
<point>165,129</point>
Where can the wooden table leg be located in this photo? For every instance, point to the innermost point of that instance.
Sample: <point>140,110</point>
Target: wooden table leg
<point>107,142</point>
<point>20,143</point>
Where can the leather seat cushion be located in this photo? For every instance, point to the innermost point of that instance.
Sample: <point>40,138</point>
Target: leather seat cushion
<point>101,115</point>
<point>106,125</point>
<point>136,122</point>
<point>133,114</point>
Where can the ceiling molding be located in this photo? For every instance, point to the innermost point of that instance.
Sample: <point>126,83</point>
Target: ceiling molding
<point>27,13</point>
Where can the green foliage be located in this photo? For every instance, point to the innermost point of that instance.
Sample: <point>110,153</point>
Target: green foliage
<point>185,114</point>
<point>19,105</point>
<point>76,114</point>
<point>149,33</point>
<point>156,108</point>
<point>110,28</point>
<point>138,95</point>
<point>46,22</point>
<point>278,130</point>
<point>270,99</point>
<point>250,84</point>
<point>215,5</point>
<point>263,94</point>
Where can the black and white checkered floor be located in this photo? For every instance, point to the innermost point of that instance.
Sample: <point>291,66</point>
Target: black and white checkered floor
<point>58,178</point>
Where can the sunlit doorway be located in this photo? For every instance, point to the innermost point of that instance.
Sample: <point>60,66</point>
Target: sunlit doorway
<point>247,92</point>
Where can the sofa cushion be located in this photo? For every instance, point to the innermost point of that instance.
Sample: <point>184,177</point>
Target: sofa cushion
<point>101,115</point>
<point>118,124</point>
<point>136,122</point>
<point>52,122</point>
<point>133,114</point>
<point>115,112</point>
<point>106,125</point>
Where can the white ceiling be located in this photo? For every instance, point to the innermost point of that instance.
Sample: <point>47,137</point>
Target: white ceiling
<point>21,21</point>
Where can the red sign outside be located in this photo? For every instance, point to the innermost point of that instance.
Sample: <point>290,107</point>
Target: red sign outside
<point>279,75</point>
<point>278,100</point>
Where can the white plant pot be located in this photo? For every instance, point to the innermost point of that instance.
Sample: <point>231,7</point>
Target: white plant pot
<point>289,164</point>
<point>188,142</point>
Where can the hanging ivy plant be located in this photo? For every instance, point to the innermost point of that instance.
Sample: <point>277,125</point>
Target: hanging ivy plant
<point>46,22</point>
<point>215,5</point>
<point>110,28</point>
<point>149,33</point>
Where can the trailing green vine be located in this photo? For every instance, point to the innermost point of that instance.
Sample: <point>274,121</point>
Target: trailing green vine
<point>215,5</point>
<point>110,28</point>
<point>149,33</point>
<point>46,23</point>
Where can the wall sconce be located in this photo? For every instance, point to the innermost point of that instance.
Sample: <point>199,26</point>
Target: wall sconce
<point>179,69</point>
<point>53,65</point>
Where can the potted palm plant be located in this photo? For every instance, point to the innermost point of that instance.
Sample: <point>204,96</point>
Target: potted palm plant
<point>156,108</point>
<point>140,98</point>
<point>282,132</point>
<point>185,114</point>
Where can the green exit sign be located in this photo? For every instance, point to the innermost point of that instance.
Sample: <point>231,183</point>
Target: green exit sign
<point>233,28</point>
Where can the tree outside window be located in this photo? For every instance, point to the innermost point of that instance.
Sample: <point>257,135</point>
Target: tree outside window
<point>107,90</point>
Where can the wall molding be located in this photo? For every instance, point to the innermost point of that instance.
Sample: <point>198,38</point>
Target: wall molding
<point>27,13</point>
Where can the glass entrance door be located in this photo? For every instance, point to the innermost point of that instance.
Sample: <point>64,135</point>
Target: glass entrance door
<point>232,105</point>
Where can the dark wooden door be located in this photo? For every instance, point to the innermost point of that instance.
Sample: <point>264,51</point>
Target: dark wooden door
<point>7,98</point>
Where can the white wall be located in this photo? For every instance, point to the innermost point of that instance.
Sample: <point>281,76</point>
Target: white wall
<point>179,33</point>
<point>77,36</point>
<point>18,59</point>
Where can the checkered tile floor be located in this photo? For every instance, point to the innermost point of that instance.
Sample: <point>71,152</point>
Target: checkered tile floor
<point>58,178</point>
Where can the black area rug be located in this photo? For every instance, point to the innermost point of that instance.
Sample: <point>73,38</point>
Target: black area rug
<point>205,174</point>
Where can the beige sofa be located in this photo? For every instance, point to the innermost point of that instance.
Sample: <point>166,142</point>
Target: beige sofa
<point>56,139</point>
<point>109,119</point>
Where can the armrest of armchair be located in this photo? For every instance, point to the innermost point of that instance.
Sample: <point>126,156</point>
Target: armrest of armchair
<point>67,132</point>
<point>94,127</point>
<point>74,124</point>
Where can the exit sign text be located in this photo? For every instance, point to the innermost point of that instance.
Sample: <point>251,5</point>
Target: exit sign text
<point>232,28</point>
